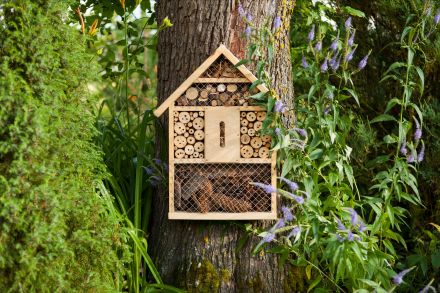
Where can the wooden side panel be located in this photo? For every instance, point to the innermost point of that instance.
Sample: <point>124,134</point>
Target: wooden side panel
<point>222,147</point>
<point>171,159</point>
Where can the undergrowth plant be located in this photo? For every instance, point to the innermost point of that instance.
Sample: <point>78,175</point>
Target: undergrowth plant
<point>125,46</point>
<point>347,237</point>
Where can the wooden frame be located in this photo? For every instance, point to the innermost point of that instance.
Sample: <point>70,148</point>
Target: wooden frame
<point>169,103</point>
<point>272,215</point>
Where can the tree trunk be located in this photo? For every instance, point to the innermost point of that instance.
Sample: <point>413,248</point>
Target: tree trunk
<point>211,256</point>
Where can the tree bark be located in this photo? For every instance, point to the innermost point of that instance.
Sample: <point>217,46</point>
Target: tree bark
<point>210,256</point>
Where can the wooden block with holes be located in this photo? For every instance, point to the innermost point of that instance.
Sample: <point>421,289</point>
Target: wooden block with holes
<point>218,145</point>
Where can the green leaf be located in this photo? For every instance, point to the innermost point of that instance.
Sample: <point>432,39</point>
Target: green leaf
<point>394,66</point>
<point>389,139</point>
<point>354,12</point>
<point>369,283</point>
<point>422,79</point>
<point>349,173</point>
<point>314,283</point>
<point>354,95</point>
<point>391,103</point>
<point>316,154</point>
<point>287,166</point>
<point>382,118</point>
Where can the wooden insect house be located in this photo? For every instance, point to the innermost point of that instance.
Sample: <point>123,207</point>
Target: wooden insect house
<point>215,146</point>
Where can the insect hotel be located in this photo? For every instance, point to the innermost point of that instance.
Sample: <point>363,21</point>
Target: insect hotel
<point>215,146</point>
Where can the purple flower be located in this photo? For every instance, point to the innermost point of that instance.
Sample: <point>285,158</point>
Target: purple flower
<point>348,23</point>
<point>418,132</point>
<point>363,62</point>
<point>292,185</point>
<point>362,227</point>
<point>287,214</point>
<point>327,110</point>
<point>304,62</point>
<point>280,224</point>
<point>266,187</point>
<point>353,216</point>
<point>241,11</point>
<point>277,131</point>
<point>403,149</point>
<point>149,170</point>
<point>249,17</point>
<point>350,236</point>
<point>334,45</point>
<point>421,155</point>
<point>297,198</point>
<point>279,106</point>
<point>335,64</point>
<point>437,17</point>
<point>301,132</point>
<point>350,55</point>
<point>318,46</point>
<point>277,22</point>
<point>311,35</point>
<point>398,279</point>
<point>410,158</point>
<point>332,61</point>
<point>324,65</point>
<point>340,225</point>
<point>330,95</point>
<point>351,39</point>
<point>248,31</point>
<point>268,238</point>
<point>339,237</point>
<point>295,231</point>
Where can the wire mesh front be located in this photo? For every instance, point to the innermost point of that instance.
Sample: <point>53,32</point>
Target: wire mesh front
<point>217,94</point>
<point>225,188</point>
<point>222,68</point>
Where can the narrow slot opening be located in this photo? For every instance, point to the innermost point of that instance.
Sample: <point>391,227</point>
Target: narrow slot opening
<point>222,134</point>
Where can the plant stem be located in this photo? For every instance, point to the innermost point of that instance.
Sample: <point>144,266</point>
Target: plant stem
<point>126,69</point>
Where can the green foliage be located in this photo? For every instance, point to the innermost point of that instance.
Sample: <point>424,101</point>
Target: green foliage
<point>349,234</point>
<point>57,232</point>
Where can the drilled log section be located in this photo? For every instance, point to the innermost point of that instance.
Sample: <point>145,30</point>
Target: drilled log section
<point>252,144</point>
<point>189,134</point>
<point>217,94</point>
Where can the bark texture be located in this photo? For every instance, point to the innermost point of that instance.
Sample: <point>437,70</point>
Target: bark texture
<point>212,256</point>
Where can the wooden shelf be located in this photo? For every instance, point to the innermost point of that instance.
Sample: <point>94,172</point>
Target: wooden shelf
<point>222,80</point>
<point>222,216</point>
<point>203,108</point>
<point>238,161</point>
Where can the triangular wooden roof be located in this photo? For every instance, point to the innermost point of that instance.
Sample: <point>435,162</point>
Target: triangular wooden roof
<point>221,51</point>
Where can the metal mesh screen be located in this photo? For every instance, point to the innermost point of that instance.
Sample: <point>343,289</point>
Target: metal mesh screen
<point>203,188</point>
<point>222,68</point>
<point>217,94</point>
